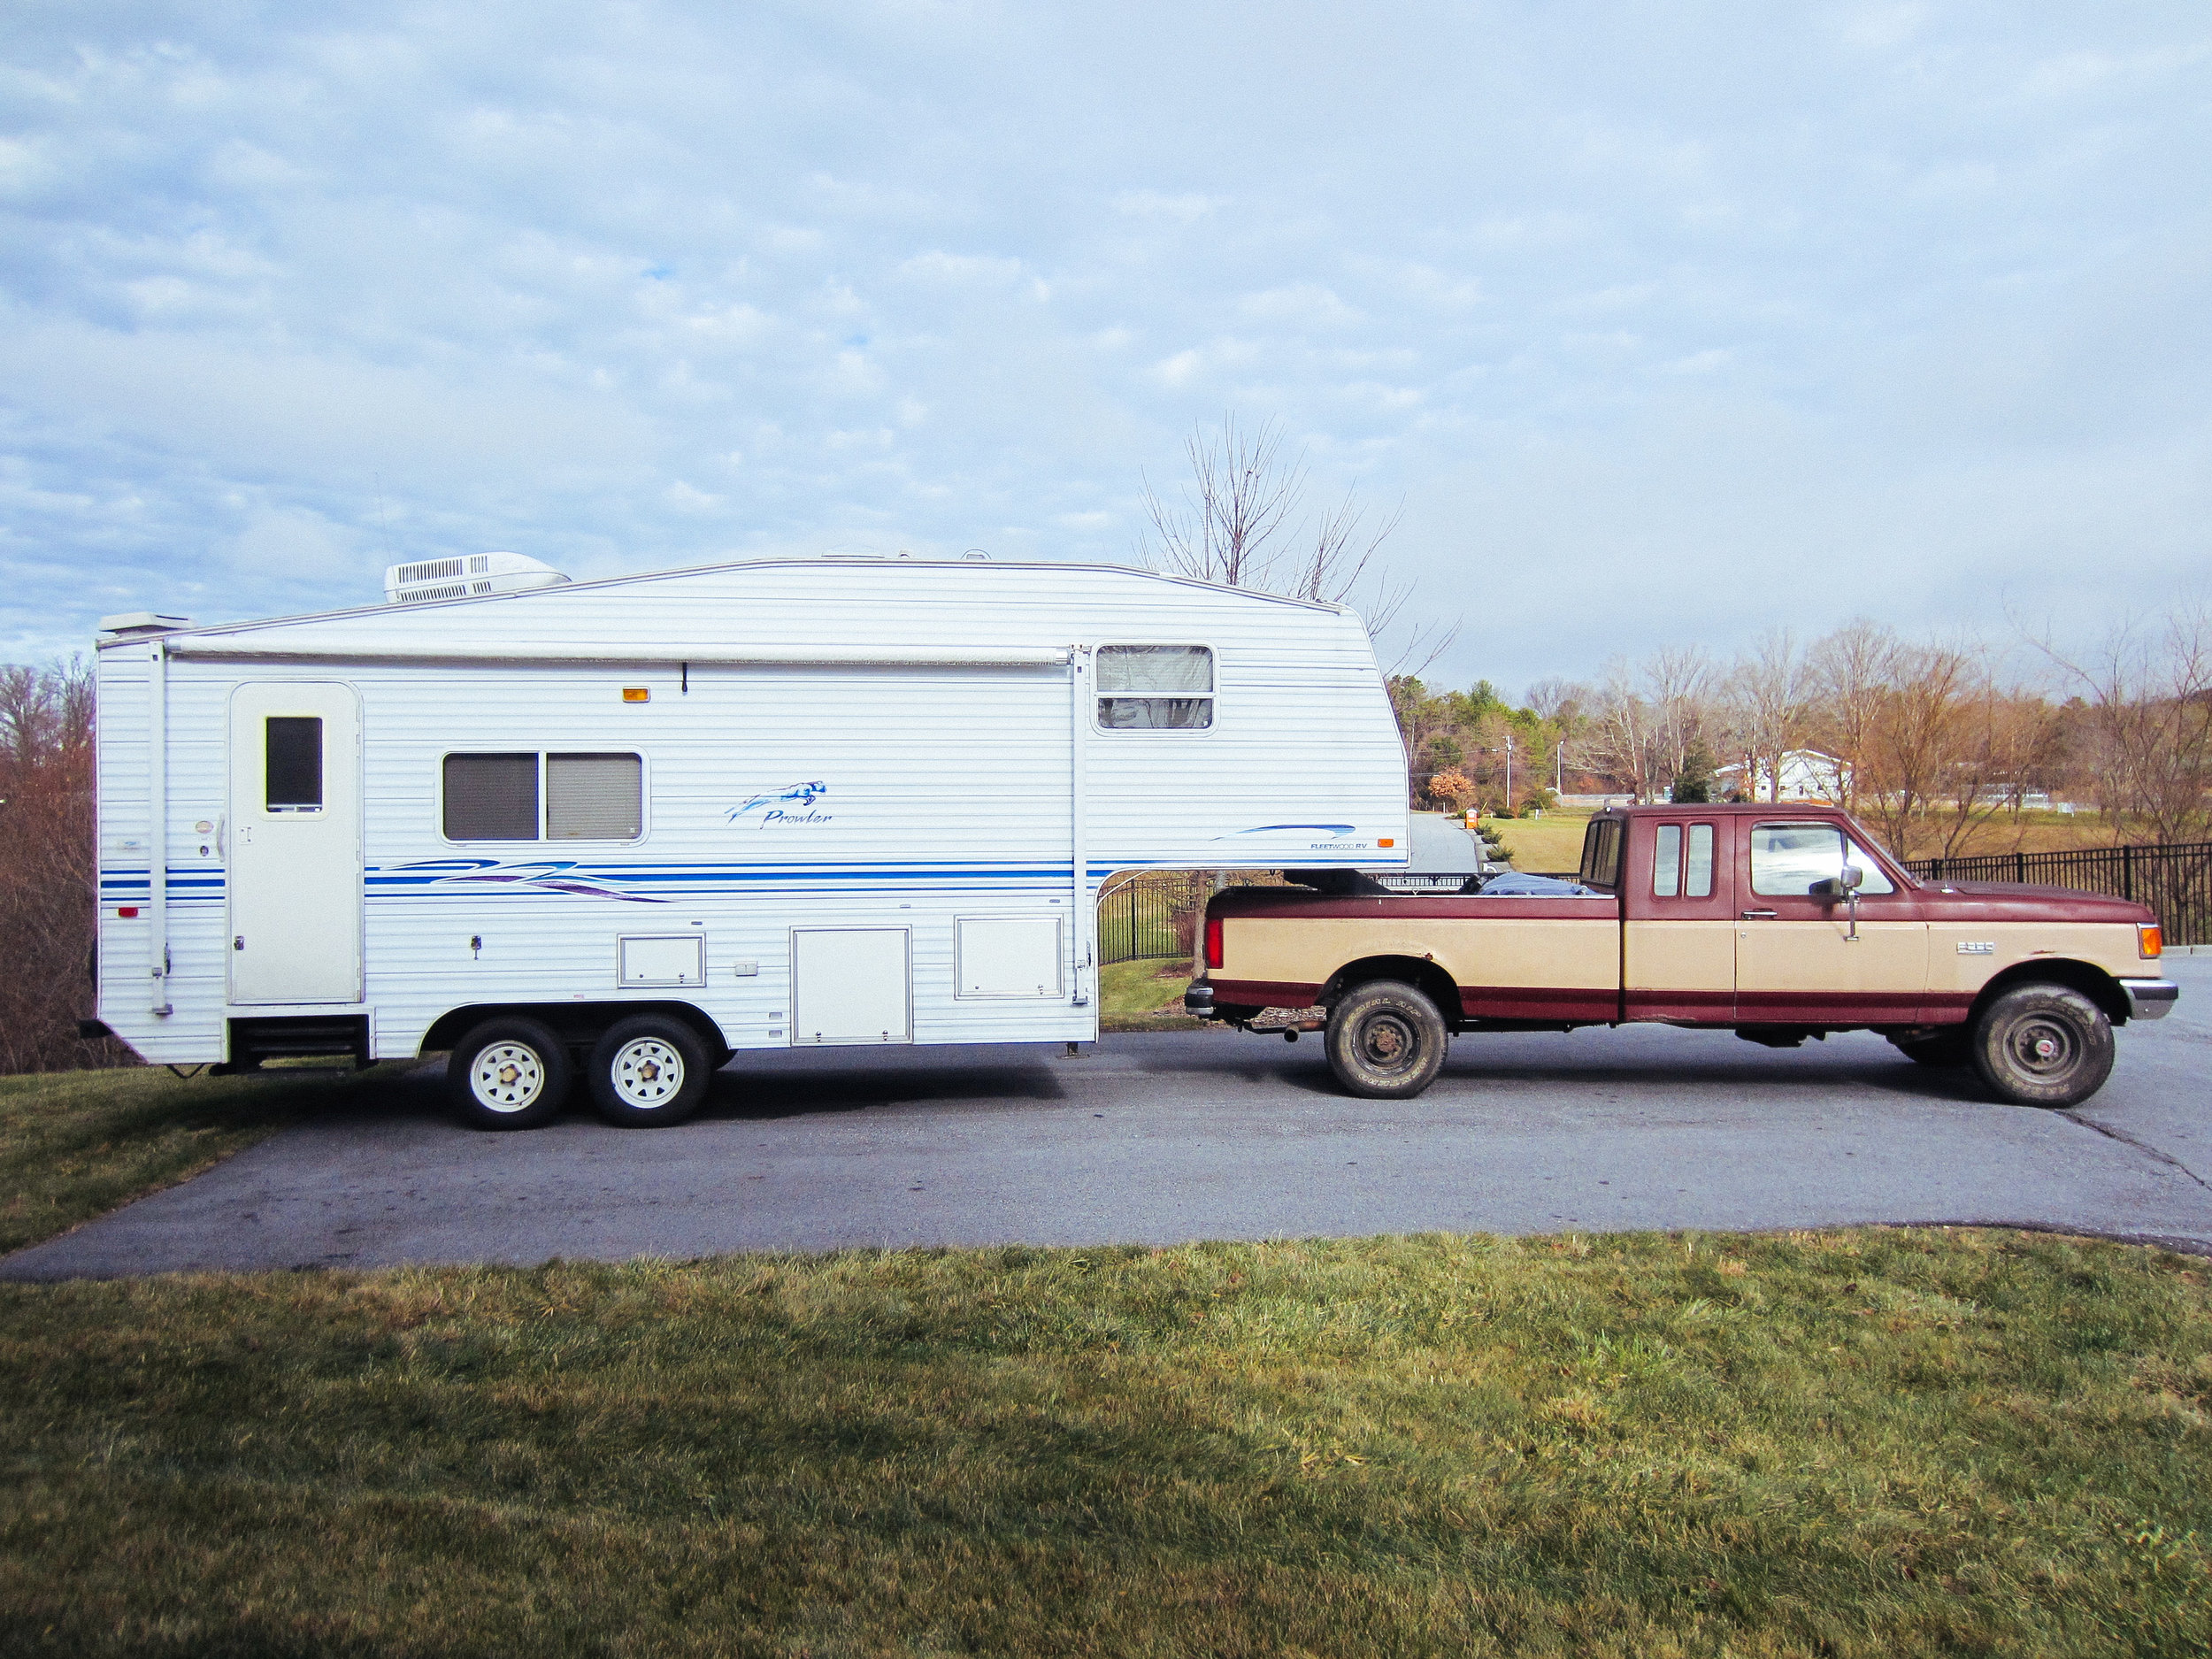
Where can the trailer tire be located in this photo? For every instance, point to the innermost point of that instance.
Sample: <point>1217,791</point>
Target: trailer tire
<point>649,1071</point>
<point>508,1073</point>
<point>2043,1045</point>
<point>1386,1041</point>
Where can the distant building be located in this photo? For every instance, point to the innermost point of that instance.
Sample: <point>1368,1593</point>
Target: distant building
<point>1807,774</point>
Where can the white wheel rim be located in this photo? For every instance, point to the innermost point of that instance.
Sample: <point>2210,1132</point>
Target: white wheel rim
<point>507,1077</point>
<point>647,1073</point>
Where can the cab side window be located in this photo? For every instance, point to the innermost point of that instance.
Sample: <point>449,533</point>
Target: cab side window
<point>1682,862</point>
<point>1789,860</point>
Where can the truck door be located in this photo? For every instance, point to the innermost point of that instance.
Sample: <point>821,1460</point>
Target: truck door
<point>1796,961</point>
<point>1678,928</point>
<point>295,853</point>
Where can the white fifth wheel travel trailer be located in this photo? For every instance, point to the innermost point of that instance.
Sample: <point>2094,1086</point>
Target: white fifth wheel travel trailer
<point>641,825</point>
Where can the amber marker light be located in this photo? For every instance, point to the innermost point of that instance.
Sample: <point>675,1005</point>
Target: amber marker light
<point>1387,841</point>
<point>2150,943</point>
<point>637,694</point>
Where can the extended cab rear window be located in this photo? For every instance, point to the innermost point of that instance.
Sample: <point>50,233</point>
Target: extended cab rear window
<point>1601,855</point>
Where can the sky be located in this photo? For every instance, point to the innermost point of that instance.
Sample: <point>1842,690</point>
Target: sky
<point>1664,325</point>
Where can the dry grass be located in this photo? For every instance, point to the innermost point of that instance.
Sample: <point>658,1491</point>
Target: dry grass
<point>1874,1443</point>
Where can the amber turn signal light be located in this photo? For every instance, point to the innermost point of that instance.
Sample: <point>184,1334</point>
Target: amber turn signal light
<point>2149,942</point>
<point>637,694</point>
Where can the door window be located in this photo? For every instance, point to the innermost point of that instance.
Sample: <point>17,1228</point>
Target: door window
<point>1789,860</point>
<point>292,769</point>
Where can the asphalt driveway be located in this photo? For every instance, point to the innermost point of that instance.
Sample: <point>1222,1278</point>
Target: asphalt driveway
<point>1160,1138</point>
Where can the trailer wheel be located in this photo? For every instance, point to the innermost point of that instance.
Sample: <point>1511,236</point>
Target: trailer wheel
<point>1944,1048</point>
<point>2043,1045</point>
<point>509,1074</point>
<point>649,1071</point>
<point>1386,1041</point>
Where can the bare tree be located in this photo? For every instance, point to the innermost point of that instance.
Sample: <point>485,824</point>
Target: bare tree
<point>1238,522</point>
<point>1766,700</point>
<point>46,868</point>
<point>1850,671</point>
<point>2148,689</point>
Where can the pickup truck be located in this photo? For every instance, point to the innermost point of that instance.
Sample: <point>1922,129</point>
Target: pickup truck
<point>1780,922</point>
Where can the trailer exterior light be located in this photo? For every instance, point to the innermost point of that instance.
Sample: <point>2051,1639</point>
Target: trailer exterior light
<point>637,694</point>
<point>1387,841</point>
<point>1213,942</point>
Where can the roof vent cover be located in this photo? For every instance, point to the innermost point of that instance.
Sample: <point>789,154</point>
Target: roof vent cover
<point>466,576</point>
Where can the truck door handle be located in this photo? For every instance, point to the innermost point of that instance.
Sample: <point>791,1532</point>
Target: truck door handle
<point>1753,916</point>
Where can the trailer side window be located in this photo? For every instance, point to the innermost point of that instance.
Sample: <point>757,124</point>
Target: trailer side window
<point>491,797</point>
<point>1155,688</point>
<point>292,773</point>
<point>594,797</point>
<point>585,797</point>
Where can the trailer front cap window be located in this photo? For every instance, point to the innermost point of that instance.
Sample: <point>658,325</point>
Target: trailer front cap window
<point>536,795</point>
<point>1155,688</point>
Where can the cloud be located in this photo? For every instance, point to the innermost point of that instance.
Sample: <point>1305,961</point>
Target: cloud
<point>1644,322</point>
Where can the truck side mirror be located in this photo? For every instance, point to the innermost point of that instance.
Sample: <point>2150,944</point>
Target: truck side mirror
<point>1852,878</point>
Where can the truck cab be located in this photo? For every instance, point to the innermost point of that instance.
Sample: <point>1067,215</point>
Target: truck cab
<point>1782,922</point>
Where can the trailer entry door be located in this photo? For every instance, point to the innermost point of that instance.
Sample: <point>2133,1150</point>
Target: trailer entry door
<point>295,862</point>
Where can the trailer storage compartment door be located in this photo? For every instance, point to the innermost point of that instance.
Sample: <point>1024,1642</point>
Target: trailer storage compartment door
<point>850,985</point>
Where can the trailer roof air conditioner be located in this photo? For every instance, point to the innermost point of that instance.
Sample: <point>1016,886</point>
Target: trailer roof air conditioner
<point>466,576</point>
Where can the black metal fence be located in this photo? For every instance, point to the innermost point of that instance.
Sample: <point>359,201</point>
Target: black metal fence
<point>2175,879</point>
<point>1154,913</point>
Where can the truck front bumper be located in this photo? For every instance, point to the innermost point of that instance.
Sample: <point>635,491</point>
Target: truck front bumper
<point>2150,999</point>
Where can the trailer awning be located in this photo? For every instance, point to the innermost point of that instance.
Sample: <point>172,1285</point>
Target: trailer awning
<point>218,648</point>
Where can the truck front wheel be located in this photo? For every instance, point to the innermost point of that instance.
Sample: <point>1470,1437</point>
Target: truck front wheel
<point>1386,1041</point>
<point>2043,1045</point>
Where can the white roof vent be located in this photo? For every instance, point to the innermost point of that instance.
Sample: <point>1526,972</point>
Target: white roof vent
<point>466,576</point>
<point>138,622</point>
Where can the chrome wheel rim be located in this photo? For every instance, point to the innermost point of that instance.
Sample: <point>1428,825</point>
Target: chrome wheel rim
<point>507,1077</point>
<point>646,1073</point>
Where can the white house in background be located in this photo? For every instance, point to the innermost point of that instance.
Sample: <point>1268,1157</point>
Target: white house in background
<point>1807,774</point>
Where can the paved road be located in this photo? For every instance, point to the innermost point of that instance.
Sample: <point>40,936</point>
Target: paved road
<point>1208,1135</point>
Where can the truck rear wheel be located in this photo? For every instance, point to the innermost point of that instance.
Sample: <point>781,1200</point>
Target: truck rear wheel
<point>1386,1041</point>
<point>2043,1045</point>
<point>649,1071</point>
<point>508,1074</point>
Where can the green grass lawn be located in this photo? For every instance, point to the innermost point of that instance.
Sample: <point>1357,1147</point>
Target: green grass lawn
<point>1145,995</point>
<point>1861,1443</point>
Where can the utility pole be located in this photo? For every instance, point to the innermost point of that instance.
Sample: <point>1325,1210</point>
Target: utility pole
<point>1508,774</point>
<point>1559,784</point>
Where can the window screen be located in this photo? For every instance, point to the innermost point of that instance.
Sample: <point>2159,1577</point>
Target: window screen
<point>1788,860</point>
<point>293,772</point>
<point>594,797</point>
<point>1155,688</point>
<point>491,797</point>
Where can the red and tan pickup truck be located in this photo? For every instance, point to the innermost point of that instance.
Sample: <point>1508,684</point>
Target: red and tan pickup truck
<point>1778,922</point>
